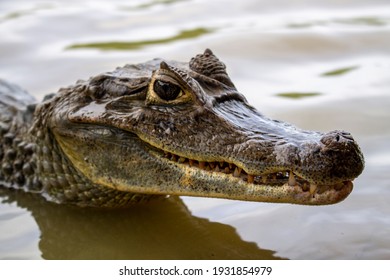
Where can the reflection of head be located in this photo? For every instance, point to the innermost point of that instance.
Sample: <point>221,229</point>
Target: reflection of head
<point>161,229</point>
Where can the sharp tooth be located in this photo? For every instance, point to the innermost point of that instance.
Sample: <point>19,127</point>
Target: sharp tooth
<point>291,179</point>
<point>191,162</point>
<point>251,178</point>
<point>212,165</point>
<point>264,179</point>
<point>174,157</point>
<point>313,188</point>
<point>227,170</point>
<point>237,172</point>
<point>216,168</point>
<point>221,164</point>
<point>202,164</point>
<point>231,166</point>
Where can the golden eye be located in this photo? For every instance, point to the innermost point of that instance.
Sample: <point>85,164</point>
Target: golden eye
<point>166,91</point>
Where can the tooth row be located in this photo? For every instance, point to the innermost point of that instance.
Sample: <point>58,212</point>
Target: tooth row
<point>225,167</point>
<point>279,178</point>
<point>230,168</point>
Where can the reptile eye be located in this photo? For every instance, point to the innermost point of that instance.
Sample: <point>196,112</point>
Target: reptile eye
<point>166,91</point>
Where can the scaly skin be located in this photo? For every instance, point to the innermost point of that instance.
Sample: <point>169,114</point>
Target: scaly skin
<point>169,128</point>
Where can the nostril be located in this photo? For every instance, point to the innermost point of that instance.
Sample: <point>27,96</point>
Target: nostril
<point>347,135</point>
<point>336,137</point>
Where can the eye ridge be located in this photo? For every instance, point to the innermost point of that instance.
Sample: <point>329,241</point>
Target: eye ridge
<point>166,91</point>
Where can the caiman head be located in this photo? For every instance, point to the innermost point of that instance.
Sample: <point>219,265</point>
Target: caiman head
<point>170,128</point>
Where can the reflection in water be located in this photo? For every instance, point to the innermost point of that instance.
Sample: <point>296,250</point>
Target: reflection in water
<point>352,21</point>
<point>340,71</point>
<point>162,229</point>
<point>297,95</point>
<point>133,45</point>
<point>152,3</point>
<point>21,12</point>
<point>268,50</point>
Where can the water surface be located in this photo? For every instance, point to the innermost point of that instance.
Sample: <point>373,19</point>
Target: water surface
<point>321,66</point>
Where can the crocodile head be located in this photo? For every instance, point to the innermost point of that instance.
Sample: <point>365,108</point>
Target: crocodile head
<point>170,128</point>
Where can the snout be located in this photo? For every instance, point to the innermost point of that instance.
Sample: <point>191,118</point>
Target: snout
<point>342,154</point>
<point>336,157</point>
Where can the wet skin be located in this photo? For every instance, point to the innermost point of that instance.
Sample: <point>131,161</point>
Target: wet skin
<point>169,128</point>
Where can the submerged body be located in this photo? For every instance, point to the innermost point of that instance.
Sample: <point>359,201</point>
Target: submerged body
<point>166,128</point>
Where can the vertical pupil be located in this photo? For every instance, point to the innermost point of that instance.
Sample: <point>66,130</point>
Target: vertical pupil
<point>166,91</point>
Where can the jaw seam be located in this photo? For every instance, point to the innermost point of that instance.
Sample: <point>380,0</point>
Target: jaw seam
<point>276,179</point>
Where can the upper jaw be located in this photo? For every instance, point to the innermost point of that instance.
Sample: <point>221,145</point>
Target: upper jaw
<point>318,164</point>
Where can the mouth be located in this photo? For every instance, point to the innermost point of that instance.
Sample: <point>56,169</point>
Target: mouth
<point>283,178</point>
<point>218,179</point>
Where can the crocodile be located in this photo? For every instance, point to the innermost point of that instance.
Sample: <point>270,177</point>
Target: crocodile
<point>166,128</point>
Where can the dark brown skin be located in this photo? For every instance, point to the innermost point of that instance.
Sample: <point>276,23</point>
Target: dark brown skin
<point>170,128</point>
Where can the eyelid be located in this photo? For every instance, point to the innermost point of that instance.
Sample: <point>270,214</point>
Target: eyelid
<point>167,79</point>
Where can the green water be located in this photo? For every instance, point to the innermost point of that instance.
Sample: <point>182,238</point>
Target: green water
<point>321,65</point>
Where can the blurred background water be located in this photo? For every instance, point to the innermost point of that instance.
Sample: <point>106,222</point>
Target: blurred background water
<point>320,65</point>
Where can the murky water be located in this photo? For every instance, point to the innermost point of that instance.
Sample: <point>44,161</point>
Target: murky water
<point>322,66</point>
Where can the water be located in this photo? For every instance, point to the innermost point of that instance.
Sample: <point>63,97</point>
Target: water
<point>320,66</point>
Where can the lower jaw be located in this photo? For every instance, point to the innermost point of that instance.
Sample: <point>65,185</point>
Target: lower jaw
<point>285,179</point>
<point>196,182</point>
